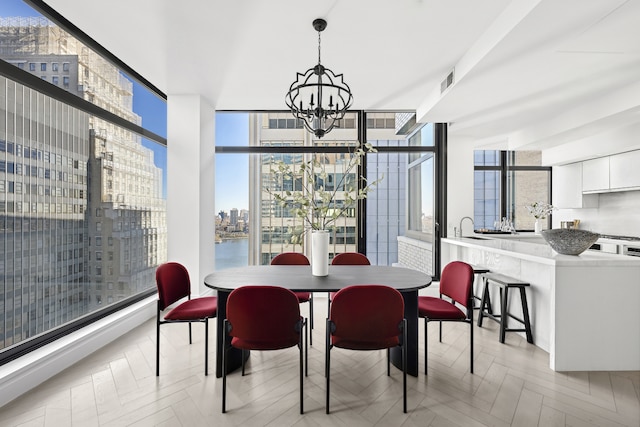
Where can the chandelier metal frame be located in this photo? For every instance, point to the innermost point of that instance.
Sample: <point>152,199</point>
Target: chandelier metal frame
<point>311,96</point>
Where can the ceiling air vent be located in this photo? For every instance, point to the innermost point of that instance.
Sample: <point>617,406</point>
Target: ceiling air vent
<point>448,81</point>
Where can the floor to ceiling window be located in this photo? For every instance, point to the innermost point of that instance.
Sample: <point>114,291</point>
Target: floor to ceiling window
<point>372,227</point>
<point>82,198</point>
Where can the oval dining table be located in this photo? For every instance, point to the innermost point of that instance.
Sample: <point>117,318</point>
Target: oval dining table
<point>298,278</point>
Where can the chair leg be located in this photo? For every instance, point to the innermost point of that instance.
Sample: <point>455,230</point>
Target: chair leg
<point>190,339</point>
<point>243,358</point>
<point>425,345</point>
<point>404,365</point>
<point>471,343</point>
<point>440,330</point>
<point>206,346</point>
<point>327,362</point>
<point>158,346</point>
<point>470,315</point>
<point>301,378</point>
<point>388,362</point>
<point>306,349</point>
<point>225,357</point>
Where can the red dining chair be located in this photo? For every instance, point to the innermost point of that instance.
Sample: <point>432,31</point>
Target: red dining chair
<point>296,258</point>
<point>262,318</point>
<point>456,283</point>
<point>347,258</point>
<point>172,280</point>
<point>367,317</point>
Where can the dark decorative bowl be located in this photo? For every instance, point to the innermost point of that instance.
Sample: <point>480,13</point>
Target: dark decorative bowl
<point>569,241</point>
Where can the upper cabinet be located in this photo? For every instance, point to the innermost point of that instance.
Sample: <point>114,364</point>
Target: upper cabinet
<point>567,188</point>
<point>595,175</point>
<point>624,171</point>
<point>620,172</point>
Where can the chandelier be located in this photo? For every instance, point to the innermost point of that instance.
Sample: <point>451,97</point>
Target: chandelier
<point>319,97</point>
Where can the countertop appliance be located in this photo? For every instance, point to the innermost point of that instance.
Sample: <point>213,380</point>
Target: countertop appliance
<point>620,247</point>
<point>631,250</point>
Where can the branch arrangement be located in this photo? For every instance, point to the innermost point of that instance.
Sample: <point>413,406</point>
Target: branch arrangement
<point>313,204</point>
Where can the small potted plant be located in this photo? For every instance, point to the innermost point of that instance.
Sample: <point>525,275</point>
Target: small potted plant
<point>539,210</point>
<point>316,205</point>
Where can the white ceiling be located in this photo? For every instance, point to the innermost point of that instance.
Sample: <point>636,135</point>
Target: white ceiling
<point>572,65</point>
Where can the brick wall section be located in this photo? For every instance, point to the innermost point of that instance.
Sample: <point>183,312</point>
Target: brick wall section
<point>415,254</point>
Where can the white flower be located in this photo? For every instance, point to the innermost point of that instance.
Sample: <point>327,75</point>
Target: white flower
<point>540,210</point>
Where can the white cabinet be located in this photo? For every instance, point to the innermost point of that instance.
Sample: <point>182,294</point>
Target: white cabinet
<point>624,171</point>
<point>567,188</point>
<point>595,175</point>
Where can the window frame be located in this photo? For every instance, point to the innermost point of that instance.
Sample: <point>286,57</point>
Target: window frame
<point>505,167</point>
<point>21,76</point>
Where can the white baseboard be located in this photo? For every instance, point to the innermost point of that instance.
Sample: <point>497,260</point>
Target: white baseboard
<point>21,375</point>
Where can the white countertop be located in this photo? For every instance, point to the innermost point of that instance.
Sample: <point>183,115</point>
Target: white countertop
<point>540,251</point>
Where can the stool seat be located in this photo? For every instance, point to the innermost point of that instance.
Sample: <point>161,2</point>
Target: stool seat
<point>505,283</point>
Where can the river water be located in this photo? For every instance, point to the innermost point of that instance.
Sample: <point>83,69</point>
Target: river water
<point>232,253</point>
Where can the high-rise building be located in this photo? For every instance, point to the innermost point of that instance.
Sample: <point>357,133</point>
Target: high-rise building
<point>86,191</point>
<point>233,217</point>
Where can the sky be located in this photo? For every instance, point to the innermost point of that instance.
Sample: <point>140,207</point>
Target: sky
<point>232,170</point>
<point>16,8</point>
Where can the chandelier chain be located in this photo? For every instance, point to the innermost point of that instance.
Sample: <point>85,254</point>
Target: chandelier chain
<point>318,47</point>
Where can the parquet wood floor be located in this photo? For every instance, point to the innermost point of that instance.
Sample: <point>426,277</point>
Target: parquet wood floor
<point>512,386</point>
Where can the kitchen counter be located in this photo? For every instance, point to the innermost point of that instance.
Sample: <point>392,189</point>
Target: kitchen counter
<point>535,248</point>
<point>583,309</point>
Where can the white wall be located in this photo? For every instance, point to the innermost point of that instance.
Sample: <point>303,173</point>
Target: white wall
<point>617,213</point>
<point>459,182</point>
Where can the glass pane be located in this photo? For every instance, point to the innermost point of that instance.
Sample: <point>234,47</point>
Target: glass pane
<point>386,205</point>
<point>424,137</point>
<point>290,183</point>
<point>37,45</point>
<point>486,199</point>
<point>527,187</point>
<point>232,207</point>
<point>486,158</point>
<point>525,158</point>
<point>420,194</point>
<point>82,213</point>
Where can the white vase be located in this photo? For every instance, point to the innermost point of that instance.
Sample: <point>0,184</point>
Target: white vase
<point>538,226</point>
<point>320,253</point>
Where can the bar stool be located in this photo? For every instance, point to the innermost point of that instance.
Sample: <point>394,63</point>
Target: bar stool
<point>505,283</point>
<point>478,270</point>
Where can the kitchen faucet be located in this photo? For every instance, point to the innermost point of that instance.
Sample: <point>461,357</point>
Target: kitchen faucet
<point>462,219</point>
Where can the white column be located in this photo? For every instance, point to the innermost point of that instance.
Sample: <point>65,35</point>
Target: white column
<point>191,186</point>
<point>460,178</point>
